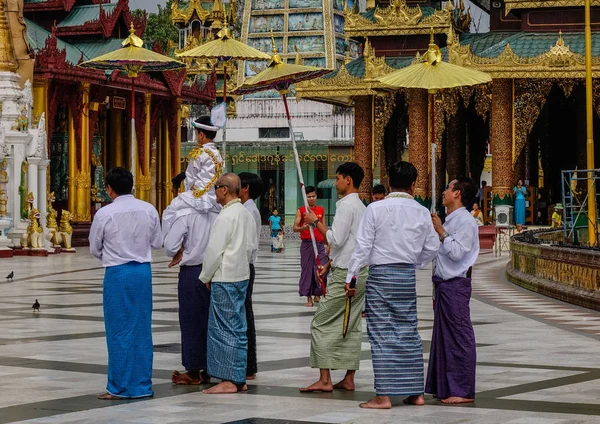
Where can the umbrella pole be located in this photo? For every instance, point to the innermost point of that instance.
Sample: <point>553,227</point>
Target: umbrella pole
<point>225,126</point>
<point>303,190</point>
<point>133,128</point>
<point>433,151</point>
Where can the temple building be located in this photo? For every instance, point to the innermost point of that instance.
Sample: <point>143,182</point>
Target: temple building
<point>310,32</point>
<point>88,112</point>
<point>531,118</point>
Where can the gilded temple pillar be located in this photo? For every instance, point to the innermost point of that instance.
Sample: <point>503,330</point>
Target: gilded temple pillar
<point>418,144</point>
<point>83,182</point>
<point>456,145</point>
<point>72,166</point>
<point>363,142</point>
<point>40,100</point>
<point>144,177</point>
<point>118,149</point>
<point>501,138</point>
<point>177,160</point>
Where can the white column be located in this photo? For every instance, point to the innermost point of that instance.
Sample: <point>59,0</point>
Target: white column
<point>32,180</point>
<point>43,196</point>
<point>14,187</point>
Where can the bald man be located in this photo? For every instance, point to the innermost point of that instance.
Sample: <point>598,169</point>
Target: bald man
<point>226,273</point>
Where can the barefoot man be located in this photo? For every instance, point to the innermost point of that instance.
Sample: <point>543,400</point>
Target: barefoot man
<point>252,188</point>
<point>226,271</point>
<point>395,237</point>
<point>122,236</point>
<point>329,349</point>
<point>451,371</point>
<point>186,242</point>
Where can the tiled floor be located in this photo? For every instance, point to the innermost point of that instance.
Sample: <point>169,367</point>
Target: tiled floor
<point>538,359</point>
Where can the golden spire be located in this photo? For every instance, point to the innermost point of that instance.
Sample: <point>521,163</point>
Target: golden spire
<point>133,40</point>
<point>298,59</point>
<point>8,62</point>
<point>275,59</point>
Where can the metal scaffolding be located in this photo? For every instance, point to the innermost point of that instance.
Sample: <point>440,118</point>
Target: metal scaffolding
<point>575,196</point>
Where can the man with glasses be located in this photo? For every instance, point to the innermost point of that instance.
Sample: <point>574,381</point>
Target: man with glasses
<point>452,357</point>
<point>122,236</point>
<point>226,272</point>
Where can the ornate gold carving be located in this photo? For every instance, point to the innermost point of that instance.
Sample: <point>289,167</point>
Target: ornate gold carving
<point>483,101</point>
<point>384,107</point>
<point>144,182</point>
<point>83,180</point>
<point>184,15</point>
<point>558,62</point>
<point>571,274</point>
<point>397,19</point>
<point>533,4</point>
<point>8,63</point>
<point>567,85</point>
<point>418,147</point>
<point>363,124</point>
<point>530,97</point>
<point>501,137</point>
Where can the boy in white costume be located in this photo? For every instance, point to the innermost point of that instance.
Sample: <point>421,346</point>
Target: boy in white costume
<point>204,168</point>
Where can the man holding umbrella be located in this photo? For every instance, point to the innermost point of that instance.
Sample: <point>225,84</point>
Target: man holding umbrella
<point>330,348</point>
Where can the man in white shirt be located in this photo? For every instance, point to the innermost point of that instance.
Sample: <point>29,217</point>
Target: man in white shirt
<point>452,358</point>
<point>186,241</point>
<point>329,349</point>
<point>252,188</point>
<point>122,236</point>
<point>395,237</point>
<point>225,272</point>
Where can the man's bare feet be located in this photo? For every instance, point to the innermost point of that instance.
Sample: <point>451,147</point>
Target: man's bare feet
<point>186,378</point>
<point>309,302</point>
<point>346,385</point>
<point>455,400</point>
<point>378,402</point>
<point>418,400</point>
<point>319,386</point>
<point>317,299</point>
<point>251,377</point>
<point>108,396</point>
<point>225,387</point>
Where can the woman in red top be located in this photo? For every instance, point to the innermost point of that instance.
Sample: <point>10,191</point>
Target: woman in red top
<point>309,284</point>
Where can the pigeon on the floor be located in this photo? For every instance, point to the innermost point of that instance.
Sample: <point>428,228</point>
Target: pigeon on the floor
<point>36,306</point>
<point>10,276</point>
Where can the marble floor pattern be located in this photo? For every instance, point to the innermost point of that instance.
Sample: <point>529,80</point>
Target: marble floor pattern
<point>538,359</point>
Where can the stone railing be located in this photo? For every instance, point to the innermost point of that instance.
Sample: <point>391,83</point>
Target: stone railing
<point>567,273</point>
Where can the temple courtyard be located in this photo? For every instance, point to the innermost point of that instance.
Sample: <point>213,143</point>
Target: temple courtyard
<point>538,359</point>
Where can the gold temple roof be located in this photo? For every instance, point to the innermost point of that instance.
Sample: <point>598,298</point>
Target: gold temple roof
<point>544,4</point>
<point>502,55</point>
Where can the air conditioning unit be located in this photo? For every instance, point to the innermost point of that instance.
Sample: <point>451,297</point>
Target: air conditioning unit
<point>497,4</point>
<point>504,215</point>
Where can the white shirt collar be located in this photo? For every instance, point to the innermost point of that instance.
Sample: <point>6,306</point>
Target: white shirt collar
<point>450,216</point>
<point>123,197</point>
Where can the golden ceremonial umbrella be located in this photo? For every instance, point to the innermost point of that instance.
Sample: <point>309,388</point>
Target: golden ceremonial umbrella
<point>133,58</point>
<point>432,74</point>
<point>224,49</point>
<point>279,76</point>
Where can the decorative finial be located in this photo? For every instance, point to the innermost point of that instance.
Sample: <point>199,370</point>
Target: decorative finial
<point>560,41</point>
<point>133,40</point>
<point>273,42</point>
<point>431,39</point>
<point>275,59</point>
<point>298,60</point>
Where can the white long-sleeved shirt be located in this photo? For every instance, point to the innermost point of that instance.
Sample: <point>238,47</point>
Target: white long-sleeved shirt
<point>125,231</point>
<point>190,231</point>
<point>342,234</point>
<point>231,243</point>
<point>460,249</point>
<point>251,207</point>
<point>394,230</point>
